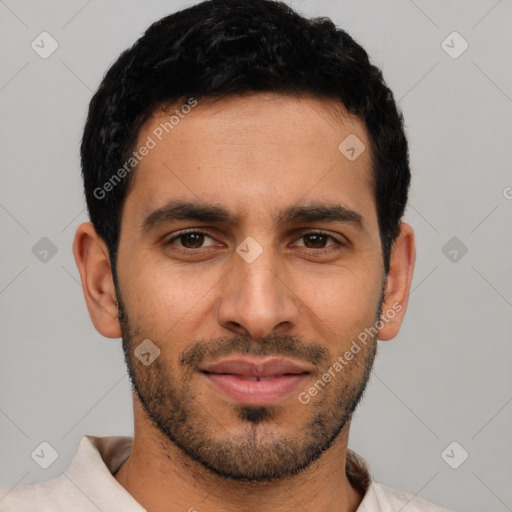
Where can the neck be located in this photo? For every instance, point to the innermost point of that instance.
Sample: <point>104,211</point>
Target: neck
<point>160,477</point>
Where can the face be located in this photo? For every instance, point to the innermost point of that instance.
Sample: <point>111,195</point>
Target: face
<point>250,257</point>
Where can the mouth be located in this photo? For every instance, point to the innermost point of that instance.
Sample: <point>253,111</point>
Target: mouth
<point>256,379</point>
<point>256,382</point>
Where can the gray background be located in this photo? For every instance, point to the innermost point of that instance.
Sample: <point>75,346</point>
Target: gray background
<point>445,378</point>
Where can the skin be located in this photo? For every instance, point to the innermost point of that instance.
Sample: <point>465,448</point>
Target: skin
<point>254,155</point>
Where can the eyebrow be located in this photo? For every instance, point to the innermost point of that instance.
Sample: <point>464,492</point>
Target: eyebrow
<point>212,213</point>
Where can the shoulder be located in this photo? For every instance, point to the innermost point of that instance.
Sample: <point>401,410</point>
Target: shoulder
<point>47,495</point>
<point>379,497</point>
<point>393,499</point>
<point>86,485</point>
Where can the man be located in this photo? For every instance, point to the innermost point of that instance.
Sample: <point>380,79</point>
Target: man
<point>246,172</point>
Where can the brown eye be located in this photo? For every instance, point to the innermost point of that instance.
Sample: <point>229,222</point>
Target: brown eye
<point>189,240</point>
<point>316,240</point>
<point>192,240</point>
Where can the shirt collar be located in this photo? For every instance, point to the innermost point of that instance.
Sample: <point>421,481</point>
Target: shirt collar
<point>92,468</point>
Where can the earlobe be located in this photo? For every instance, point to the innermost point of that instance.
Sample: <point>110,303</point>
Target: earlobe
<point>399,279</point>
<point>93,262</point>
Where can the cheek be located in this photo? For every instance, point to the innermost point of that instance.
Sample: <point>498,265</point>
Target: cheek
<point>343,303</point>
<point>166,301</point>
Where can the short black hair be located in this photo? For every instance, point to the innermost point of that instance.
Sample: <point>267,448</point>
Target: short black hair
<point>219,48</point>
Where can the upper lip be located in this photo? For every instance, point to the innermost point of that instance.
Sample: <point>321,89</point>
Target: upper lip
<point>256,367</point>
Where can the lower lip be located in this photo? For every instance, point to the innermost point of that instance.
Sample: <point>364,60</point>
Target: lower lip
<point>256,392</point>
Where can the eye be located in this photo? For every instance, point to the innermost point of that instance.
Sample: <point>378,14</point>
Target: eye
<point>190,240</point>
<point>315,241</point>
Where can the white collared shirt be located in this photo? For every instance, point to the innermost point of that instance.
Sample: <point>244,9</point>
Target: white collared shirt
<point>88,485</point>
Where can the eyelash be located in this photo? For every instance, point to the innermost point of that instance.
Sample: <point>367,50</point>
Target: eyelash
<point>338,245</point>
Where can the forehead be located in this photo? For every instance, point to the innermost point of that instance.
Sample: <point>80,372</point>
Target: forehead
<point>261,148</point>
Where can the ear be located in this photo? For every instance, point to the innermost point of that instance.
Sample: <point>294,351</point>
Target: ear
<point>93,262</point>
<point>398,284</point>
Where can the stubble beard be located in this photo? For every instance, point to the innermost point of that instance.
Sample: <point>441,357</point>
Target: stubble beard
<point>257,454</point>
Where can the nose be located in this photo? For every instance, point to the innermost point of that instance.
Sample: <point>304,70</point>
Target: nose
<point>257,298</point>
